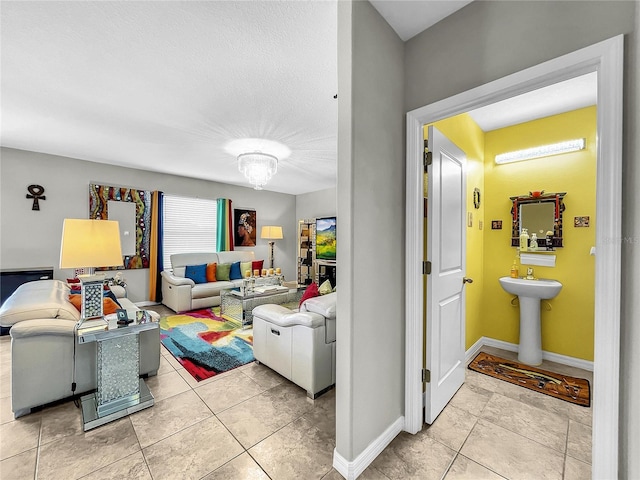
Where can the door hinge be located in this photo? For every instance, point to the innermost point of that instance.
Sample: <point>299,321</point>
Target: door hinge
<point>426,267</point>
<point>428,159</point>
<point>426,376</point>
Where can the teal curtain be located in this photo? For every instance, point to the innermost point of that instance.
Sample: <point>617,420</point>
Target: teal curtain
<point>224,240</point>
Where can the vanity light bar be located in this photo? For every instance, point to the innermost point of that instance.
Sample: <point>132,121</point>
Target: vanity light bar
<point>541,151</point>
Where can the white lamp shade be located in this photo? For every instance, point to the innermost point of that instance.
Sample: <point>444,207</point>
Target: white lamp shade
<point>90,243</point>
<point>271,232</point>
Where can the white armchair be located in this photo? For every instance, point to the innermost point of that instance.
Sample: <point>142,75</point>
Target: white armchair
<point>299,345</point>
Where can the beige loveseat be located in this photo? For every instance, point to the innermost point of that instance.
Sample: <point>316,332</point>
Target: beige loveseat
<point>182,294</point>
<point>43,344</point>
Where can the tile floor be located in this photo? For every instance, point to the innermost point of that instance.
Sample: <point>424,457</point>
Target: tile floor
<point>251,423</point>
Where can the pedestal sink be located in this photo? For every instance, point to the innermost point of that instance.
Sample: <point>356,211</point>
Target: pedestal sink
<point>530,292</point>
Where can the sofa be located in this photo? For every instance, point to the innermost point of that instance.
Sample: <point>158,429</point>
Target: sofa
<point>299,344</point>
<point>182,294</point>
<point>42,323</point>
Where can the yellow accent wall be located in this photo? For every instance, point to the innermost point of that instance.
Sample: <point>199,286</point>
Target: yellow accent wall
<point>568,328</point>
<point>468,136</point>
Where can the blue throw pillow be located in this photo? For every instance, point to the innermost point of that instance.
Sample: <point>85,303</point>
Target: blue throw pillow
<point>235,273</point>
<point>197,273</point>
<point>109,294</point>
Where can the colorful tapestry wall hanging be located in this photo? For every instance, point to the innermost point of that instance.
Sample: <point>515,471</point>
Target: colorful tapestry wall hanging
<point>100,195</point>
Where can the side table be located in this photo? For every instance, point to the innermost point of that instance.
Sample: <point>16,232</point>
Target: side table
<point>120,390</point>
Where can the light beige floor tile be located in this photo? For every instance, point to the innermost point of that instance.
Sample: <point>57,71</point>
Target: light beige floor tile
<point>19,435</point>
<point>538,425</point>
<point>20,467</point>
<point>451,427</point>
<point>5,383</point>
<point>165,366</point>
<point>260,416</point>
<point>324,420</point>
<point>511,455</point>
<point>583,415</point>
<point>201,449</point>
<point>167,385</point>
<point>6,415</point>
<point>226,392</point>
<point>465,469</point>
<point>299,450</point>
<point>132,467</point>
<point>60,421</point>
<point>576,470</point>
<point>579,441</point>
<point>414,456</point>
<point>262,375</point>
<point>168,416</point>
<point>471,399</point>
<point>369,474</point>
<point>78,455</point>
<point>242,467</point>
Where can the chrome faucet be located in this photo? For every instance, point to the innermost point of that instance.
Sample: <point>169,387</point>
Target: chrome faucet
<point>530,274</point>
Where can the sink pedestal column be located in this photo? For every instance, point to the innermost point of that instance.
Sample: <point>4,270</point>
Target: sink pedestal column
<point>530,350</point>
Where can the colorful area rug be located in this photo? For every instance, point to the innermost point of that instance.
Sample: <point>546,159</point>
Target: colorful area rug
<point>205,343</point>
<point>564,387</point>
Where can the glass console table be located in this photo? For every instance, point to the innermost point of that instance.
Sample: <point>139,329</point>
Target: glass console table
<point>237,304</point>
<point>120,390</point>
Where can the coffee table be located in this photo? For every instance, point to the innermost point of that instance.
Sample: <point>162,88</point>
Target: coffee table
<point>237,304</point>
<point>120,390</point>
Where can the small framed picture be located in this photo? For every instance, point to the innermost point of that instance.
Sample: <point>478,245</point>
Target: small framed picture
<point>122,314</point>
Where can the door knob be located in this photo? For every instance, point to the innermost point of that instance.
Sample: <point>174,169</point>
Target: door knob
<point>467,280</point>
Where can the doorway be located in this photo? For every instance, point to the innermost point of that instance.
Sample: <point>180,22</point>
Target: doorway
<point>606,59</point>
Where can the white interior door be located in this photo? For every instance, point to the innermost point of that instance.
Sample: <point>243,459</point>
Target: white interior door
<point>446,250</point>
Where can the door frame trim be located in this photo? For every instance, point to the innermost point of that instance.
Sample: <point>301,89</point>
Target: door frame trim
<point>606,58</point>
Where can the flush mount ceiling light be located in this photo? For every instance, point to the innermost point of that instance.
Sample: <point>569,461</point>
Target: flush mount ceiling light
<point>257,167</point>
<point>541,151</point>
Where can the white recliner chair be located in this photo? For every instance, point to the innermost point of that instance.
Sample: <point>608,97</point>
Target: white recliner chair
<point>299,345</point>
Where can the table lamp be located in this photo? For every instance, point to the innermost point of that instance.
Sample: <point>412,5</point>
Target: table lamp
<point>271,232</point>
<point>88,244</point>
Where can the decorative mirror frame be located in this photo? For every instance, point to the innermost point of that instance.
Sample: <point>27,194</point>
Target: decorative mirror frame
<point>538,197</point>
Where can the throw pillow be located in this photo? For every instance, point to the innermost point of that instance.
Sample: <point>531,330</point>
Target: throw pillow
<point>246,267</point>
<point>234,272</point>
<point>211,272</point>
<point>222,271</point>
<point>325,287</point>
<point>109,306</point>
<point>197,273</point>
<point>310,292</point>
<point>257,265</point>
<point>111,295</point>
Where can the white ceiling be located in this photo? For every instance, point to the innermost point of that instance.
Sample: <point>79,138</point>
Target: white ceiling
<point>167,86</point>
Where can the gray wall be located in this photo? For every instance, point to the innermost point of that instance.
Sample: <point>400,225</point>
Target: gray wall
<point>32,238</point>
<point>370,365</point>
<point>488,40</point>
<point>316,204</point>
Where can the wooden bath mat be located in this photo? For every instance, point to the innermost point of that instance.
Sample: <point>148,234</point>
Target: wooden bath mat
<point>564,387</point>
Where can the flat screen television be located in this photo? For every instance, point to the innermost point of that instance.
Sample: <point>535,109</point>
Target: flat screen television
<point>326,238</point>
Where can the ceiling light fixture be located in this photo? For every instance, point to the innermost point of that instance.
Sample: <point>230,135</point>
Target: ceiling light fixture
<point>541,151</point>
<point>257,167</point>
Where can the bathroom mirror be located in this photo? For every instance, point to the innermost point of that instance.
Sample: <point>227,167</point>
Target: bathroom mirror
<point>539,213</point>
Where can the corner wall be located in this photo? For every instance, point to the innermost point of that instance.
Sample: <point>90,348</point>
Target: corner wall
<point>370,346</point>
<point>31,238</point>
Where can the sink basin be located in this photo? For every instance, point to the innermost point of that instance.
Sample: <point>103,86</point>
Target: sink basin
<point>543,289</point>
<point>530,292</point>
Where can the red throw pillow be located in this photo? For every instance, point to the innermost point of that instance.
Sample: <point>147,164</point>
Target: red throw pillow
<point>257,265</point>
<point>73,280</point>
<point>310,292</point>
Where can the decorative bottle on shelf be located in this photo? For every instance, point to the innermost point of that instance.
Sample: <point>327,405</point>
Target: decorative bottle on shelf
<point>514,270</point>
<point>524,240</point>
<point>533,243</point>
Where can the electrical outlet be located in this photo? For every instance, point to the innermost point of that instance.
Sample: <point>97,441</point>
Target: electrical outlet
<point>469,219</point>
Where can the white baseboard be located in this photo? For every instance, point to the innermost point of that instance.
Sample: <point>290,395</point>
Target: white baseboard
<point>351,470</point>
<point>512,347</point>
